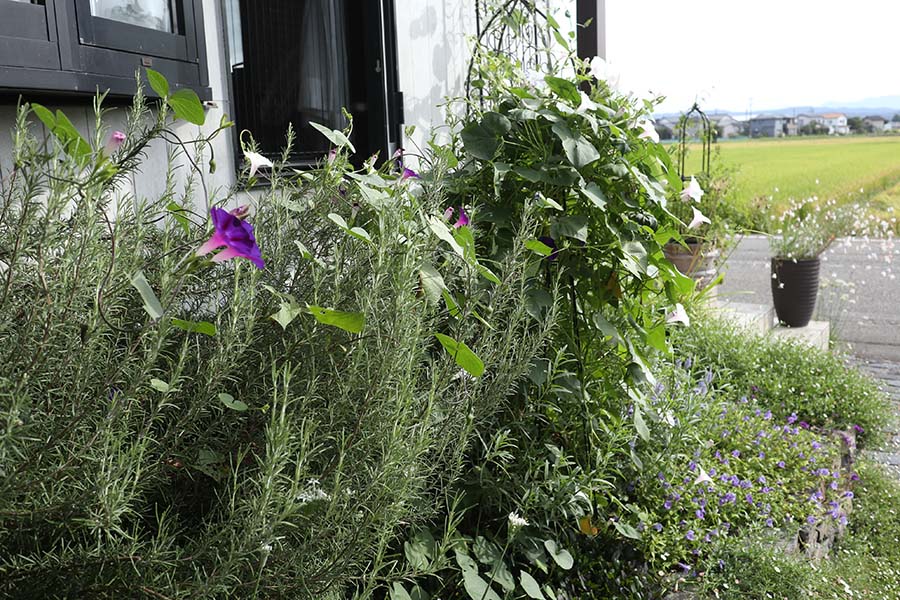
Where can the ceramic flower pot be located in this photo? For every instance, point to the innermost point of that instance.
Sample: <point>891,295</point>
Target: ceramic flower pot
<point>695,261</point>
<point>795,286</point>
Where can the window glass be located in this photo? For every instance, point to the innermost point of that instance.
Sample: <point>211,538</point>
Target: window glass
<point>152,14</point>
<point>291,62</point>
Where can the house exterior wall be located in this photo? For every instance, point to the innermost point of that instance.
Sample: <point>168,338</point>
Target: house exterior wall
<point>433,42</point>
<point>149,182</point>
<point>766,127</point>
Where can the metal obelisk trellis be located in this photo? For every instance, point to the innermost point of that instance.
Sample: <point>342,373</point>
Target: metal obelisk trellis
<point>705,139</point>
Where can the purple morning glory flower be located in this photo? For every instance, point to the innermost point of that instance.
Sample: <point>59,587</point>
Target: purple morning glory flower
<point>816,445</point>
<point>408,174</point>
<point>727,498</point>
<point>689,536</point>
<point>658,527</point>
<point>550,243</point>
<point>770,522</point>
<point>749,498</point>
<point>811,520</point>
<point>700,513</point>
<point>463,219</point>
<point>667,505</point>
<point>858,429</point>
<point>854,477</point>
<point>803,425</point>
<point>792,419</point>
<point>235,234</point>
<point>692,466</point>
<point>848,494</point>
<point>736,453</point>
<point>781,464</point>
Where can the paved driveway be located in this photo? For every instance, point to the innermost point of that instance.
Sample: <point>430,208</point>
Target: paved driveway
<point>860,294</point>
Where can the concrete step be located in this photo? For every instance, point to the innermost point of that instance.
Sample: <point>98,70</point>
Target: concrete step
<point>816,334</point>
<point>756,318</point>
<point>760,319</point>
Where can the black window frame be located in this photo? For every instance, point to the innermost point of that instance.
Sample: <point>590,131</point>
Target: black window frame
<point>381,73</point>
<point>98,53</point>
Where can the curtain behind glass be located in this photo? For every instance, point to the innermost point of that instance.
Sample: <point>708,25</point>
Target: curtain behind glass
<point>323,88</point>
<point>153,14</point>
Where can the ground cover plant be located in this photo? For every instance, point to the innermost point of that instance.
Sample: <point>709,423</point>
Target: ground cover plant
<point>771,173</point>
<point>787,378</point>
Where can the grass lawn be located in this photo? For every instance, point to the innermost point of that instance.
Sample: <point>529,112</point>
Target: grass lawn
<point>845,168</point>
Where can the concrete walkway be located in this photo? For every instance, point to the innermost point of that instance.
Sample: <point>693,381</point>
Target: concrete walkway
<point>888,373</point>
<point>859,296</point>
<point>860,293</point>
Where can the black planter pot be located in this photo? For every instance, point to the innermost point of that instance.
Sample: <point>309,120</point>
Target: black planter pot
<point>795,285</point>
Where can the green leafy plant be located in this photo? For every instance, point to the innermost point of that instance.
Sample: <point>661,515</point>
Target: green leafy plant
<point>190,414</point>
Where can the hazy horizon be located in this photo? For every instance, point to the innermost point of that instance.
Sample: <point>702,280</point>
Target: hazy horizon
<point>754,57</point>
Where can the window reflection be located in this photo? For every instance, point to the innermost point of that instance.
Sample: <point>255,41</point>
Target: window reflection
<point>153,14</point>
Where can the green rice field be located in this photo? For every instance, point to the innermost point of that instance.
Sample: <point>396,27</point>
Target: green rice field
<point>846,168</point>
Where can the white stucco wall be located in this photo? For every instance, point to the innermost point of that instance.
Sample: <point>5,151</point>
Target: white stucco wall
<point>433,41</point>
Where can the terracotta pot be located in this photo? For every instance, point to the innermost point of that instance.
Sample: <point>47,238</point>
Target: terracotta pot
<point>693,261</point>
<point>795,286</point>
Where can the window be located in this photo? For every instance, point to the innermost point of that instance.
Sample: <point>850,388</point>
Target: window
<point>302,61</point>
<point>77,46</point>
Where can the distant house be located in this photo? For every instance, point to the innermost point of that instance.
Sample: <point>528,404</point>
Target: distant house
<point>666,128</point>
<point>892,126</point>
<point>804,120</point>
<point>836,123</point>
<point>772,126</point>
<point>875,123</point>
<point>726,126</point>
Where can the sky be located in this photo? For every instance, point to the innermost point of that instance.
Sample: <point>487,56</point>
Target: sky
<point>747,56</point>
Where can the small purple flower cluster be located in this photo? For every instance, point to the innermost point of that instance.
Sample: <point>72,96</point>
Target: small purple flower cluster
<point>765,472</point>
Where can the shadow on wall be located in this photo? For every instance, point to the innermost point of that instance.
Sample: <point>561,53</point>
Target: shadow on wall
<point>434,56</point>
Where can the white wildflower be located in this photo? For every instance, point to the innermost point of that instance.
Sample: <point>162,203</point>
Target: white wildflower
<point>515,521</point>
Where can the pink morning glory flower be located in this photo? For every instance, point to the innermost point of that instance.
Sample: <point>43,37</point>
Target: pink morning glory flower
<point>115,142</point>
<point>235,235</point>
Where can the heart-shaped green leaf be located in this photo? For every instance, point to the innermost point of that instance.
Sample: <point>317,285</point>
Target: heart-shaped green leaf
<point>229,401</point>
<point>348,321</point>
<point>462,354</point>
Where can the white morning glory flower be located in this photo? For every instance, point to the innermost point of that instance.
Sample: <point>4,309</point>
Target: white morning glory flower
<point>692,192</point>
<point>603,71</point>
<point>587,105</point>
<point>699,219</point>
<point>648,131</point>
<point>256,161</point>
<point>678,315</point>
<point>535,78</point>
<point>703,477</point>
